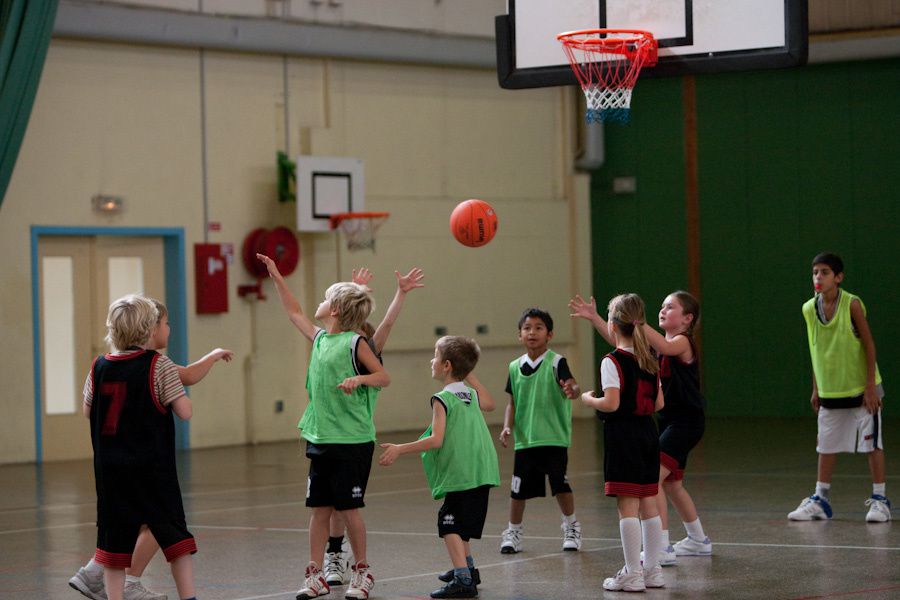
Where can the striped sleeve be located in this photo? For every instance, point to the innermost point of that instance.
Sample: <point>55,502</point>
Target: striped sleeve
<point>166,381</point>
<point>88,391</point>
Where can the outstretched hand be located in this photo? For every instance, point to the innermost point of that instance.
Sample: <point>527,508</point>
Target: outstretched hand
<point>222,354</point>
<point>362,276</point>
<point>580,308</point>
<point>390,454</point>
<point>411,280</point>
<point>270,265</point>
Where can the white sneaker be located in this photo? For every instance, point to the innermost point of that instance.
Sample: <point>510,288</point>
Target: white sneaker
<point>511,541</point>
<point>571,536</point>
<point>361,583</point>
<point>135,590</point>
<point>691,547</point>
<point>314,585</point>
<point>90,585</point>
<point>336,568</point>
<point>813,508</point>
<point>653,578</point>
<point>879,509</point>
<point>625,581</point>
<point>666,557</point>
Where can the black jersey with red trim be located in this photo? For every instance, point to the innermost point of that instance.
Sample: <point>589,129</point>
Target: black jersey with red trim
<point>133,437</point>
<point>637,388</point>
<point>681,386</point>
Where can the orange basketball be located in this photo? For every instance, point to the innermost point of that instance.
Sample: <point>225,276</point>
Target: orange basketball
<point>473,223</point>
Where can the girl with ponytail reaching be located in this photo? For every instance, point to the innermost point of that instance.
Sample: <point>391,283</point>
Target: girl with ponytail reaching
<point>629,377</point>
<point>682,421</point>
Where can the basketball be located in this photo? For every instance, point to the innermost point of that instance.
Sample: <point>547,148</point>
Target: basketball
<point>473,223</point>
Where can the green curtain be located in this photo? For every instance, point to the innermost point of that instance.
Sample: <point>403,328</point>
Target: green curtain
<point>25,29</point>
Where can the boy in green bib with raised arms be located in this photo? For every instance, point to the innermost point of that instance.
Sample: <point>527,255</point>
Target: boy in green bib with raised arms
<point>343,380</point>
<point>846,389</point>
<point>459,459</point>
<point>541,389</point>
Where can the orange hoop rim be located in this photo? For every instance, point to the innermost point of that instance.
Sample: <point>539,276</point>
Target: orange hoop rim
<point>337,218</point>
<point>572,36</point>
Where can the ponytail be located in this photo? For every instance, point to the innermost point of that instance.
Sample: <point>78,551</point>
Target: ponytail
<point>627,312</point>
<point>645,357</point>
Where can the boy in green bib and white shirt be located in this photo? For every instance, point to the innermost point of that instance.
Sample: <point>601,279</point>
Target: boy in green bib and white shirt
<point>459,459</point>
<point>847,393</point>
<point>343,380</point>
<point>539,412</point>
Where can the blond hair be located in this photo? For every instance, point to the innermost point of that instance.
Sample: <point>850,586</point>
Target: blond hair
<point>352,302</point>
<point>163,311</point>
<point>462,352</point>
<point>627,312</point>
<point>130,322</point>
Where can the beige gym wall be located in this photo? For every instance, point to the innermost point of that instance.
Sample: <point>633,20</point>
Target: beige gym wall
<point>126,120</point>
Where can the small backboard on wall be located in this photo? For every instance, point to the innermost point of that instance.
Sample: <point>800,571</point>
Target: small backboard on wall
<point>327,185</point>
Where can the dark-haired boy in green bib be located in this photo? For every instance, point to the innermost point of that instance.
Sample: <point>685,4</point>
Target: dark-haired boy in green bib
<point>459,459</point>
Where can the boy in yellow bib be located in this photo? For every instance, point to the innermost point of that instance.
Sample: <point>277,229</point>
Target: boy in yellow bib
<point>847,393</point>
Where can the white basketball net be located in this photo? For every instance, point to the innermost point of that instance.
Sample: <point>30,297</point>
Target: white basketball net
<point>359,232</point>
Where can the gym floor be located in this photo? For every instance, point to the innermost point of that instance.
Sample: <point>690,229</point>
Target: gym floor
<point>245,505</point>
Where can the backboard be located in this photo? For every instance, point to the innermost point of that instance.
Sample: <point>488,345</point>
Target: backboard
<point>695,36</point>
<point>327,185</point>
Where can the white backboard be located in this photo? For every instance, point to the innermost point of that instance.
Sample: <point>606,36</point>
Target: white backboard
<point>327,185</point>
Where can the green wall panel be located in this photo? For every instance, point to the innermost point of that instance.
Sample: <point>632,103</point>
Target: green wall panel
<point>791,162</point>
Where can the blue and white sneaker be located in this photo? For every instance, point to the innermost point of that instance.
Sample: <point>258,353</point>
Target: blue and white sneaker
<point>813,508</point>
<point>879,509</point>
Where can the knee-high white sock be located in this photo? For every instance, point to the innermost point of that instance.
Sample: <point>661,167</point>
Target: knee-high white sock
<point>651,532</point>
<point>695,530</point>
<point>630,530</point>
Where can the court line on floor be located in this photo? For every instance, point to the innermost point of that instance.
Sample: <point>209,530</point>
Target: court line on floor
<point>433,573</point>
<point>853,593</point>
<point>547,537</point>
<point>300,484</point>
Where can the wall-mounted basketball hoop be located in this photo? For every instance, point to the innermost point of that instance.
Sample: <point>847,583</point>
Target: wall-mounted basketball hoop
<point>359,228</point>
<point>607,63</point>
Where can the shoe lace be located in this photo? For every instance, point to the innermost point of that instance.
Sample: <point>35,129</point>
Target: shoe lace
<point>332,564</point>
<point>878,503</point>
<point>572,532</point>
<point>511,535</point>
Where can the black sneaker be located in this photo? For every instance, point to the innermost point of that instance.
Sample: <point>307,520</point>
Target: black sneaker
<point>456,589</point>
<point>448,576</point>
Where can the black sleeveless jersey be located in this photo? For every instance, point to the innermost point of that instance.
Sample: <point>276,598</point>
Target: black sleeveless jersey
<point>638,388</point>
<point>681,386</point>
<point>134,442</point>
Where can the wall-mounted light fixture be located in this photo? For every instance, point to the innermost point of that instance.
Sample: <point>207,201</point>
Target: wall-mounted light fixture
<point>108,204</point>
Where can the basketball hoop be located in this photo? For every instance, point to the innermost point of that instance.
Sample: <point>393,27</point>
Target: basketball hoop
<point>607,63</point>
<point>359,228</point>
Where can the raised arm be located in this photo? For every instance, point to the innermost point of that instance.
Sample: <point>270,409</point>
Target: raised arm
<point>588,310</point>
<point>377,376</point>
<point>435,440</point>
<point>288,301</point>
<point>485,400</point>
<point>679,345</point>
<point>405,283</point>
<point>870,396</point>
<point>196,371</point>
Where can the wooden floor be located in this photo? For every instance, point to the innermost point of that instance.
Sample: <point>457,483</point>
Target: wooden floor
<point>245,505</point>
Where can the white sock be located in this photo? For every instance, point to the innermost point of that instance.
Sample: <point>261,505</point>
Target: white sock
<point>651,533</point>
<point>823,489</point>
<point>570,519</point>
<point>665,538</point>
<point>630,531</point>
<point>515,527</point>
<point>132,578</point>
<point>878,489</point>
<point>695,530</point>
<point>93,567</point>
